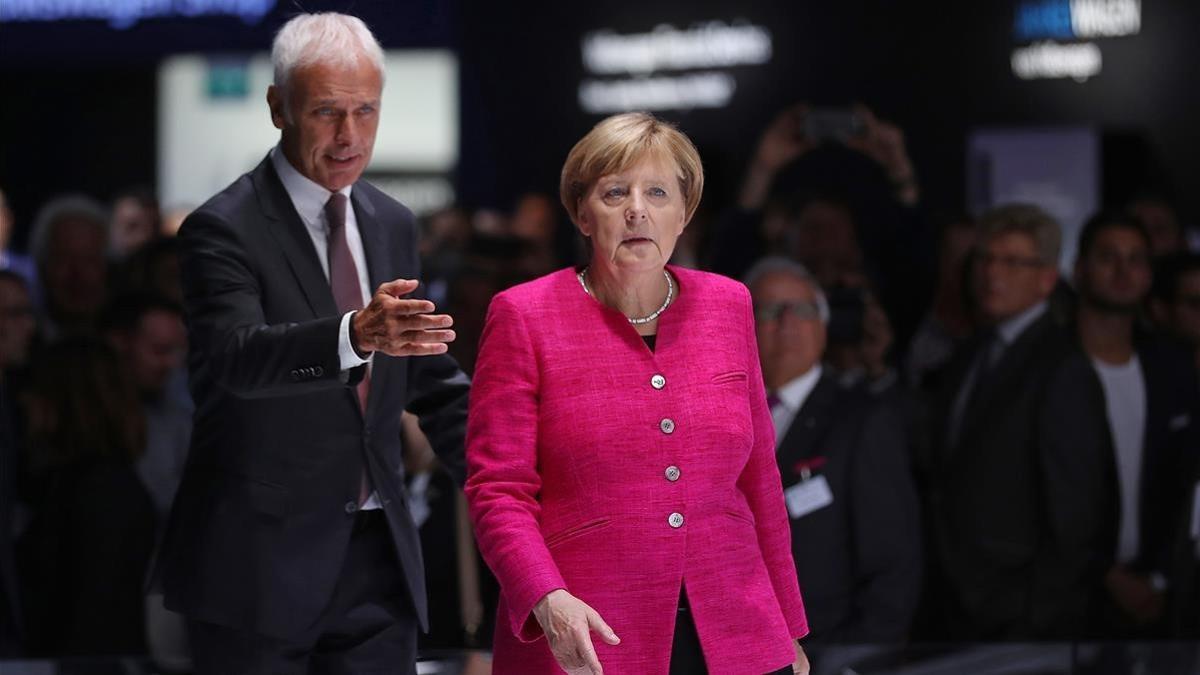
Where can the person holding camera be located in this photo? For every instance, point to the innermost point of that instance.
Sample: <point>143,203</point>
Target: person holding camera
<point>836,190</point>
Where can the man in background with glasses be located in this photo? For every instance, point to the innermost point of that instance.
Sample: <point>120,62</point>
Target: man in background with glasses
<point>846,475</point>
<point>1019,496</point>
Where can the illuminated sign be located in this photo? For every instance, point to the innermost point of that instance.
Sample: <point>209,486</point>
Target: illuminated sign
<point>1077,19</point>
<point>1050,60</point>
<point>640,63</point>
<point>125,13</point>
<point>1059,28</point>
<point>710,45</point>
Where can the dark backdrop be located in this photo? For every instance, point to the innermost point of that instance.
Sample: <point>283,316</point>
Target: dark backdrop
<point>80,109</point>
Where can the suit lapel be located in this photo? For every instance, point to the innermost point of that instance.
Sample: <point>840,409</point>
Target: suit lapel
<point>1009,373</point>
<point>293,238</point>
<point>805,436</point>
<point>374,238</point>
<point>379,270</point>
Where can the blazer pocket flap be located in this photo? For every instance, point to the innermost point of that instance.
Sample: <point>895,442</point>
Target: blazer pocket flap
<point>260,496</point>
<point>577,531</point>
<point>731,376</point>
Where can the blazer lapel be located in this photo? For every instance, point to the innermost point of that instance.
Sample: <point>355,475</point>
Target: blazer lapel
<point>379,270</point>
<point>293,238</point>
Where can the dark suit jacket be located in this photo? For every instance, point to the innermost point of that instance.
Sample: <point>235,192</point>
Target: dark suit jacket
<point>83,560</point>
<point>1170,449</point>
<point>858,559</point>
<point>1183,610</point>
<point>1022,504</point>
<point>1172,436</point>
<point>260,525</point>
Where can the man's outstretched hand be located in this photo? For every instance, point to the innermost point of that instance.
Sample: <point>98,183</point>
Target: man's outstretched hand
<point>400,326</point>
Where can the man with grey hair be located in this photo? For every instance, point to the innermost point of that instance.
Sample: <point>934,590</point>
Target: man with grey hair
<point>68,244</point>
<point>842,456</point>
<point>290,548</point>
<point>1021,459</point>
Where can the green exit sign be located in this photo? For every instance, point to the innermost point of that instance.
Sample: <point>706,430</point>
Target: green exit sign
<point>228,80</point>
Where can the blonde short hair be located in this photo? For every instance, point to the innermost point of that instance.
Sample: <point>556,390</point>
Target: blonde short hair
<point>620,141</point>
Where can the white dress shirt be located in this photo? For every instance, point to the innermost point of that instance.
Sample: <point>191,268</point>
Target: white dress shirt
<point>309,200</point>
<point>1125,396</point>
<point>791,399</point>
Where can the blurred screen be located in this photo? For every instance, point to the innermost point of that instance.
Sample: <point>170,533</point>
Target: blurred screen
<point>214,125</point>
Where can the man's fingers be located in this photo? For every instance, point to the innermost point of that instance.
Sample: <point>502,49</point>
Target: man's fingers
<point>415,348</point>
<point>398,287</point>
<point>602,629</point>
<point>415,322</point>
<point>428,336</point>
<point>406,306</point>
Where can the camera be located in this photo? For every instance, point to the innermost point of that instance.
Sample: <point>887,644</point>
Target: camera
<point>833,124</point>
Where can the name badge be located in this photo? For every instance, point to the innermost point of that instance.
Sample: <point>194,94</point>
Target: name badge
<point>807,496</point>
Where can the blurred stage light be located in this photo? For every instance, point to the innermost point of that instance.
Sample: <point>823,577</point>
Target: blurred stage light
<point>122,14</point>
<point>1049,60</point>
<point>639,60</point>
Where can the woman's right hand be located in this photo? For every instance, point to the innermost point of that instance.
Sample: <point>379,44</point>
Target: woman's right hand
<point>568,622</point>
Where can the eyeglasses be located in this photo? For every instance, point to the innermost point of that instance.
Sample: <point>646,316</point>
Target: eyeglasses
<point>774,311</point>
<point>1011,262</point>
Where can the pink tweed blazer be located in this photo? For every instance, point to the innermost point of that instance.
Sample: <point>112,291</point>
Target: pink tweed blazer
<point>622,474</point>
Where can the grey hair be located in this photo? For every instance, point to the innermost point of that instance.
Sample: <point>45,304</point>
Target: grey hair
<point>326,37</point>
<point>1026,219</point>
<point>780,265</point>
<point>57,210</point>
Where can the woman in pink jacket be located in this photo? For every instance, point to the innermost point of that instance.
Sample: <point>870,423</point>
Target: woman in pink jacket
<point>622,474</point>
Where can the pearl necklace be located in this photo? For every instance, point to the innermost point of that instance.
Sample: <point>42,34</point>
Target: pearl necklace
<point>637,321</point>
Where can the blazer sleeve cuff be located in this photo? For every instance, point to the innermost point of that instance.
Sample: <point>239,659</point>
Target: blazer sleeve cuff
<point>521,602</point>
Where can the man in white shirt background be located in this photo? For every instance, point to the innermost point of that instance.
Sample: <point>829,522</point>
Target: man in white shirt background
<point>1151,394</point>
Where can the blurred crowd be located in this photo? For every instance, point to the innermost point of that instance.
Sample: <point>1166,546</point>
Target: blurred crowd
<point>1010,453</point>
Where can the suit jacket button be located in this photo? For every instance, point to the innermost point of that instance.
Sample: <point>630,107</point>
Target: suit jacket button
<point>658,382</point>
<point>672,473</point>
<point>318,371</point>
<point>675,520</point>
<point>351,506</point>
<point>295,374</point>
<point>667,425</point>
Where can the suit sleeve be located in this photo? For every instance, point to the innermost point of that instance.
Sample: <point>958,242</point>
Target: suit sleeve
<point>1075,454</point>
<point>887,536</point>
<point>437,390</point>
<point>228,330</point>
<point>503,481</point>
<point>763,488</point>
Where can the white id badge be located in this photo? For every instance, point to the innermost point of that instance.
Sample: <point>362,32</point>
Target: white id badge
<point>807,496</point>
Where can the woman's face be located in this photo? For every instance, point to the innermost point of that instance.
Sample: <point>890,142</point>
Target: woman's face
<point>634,217</point>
